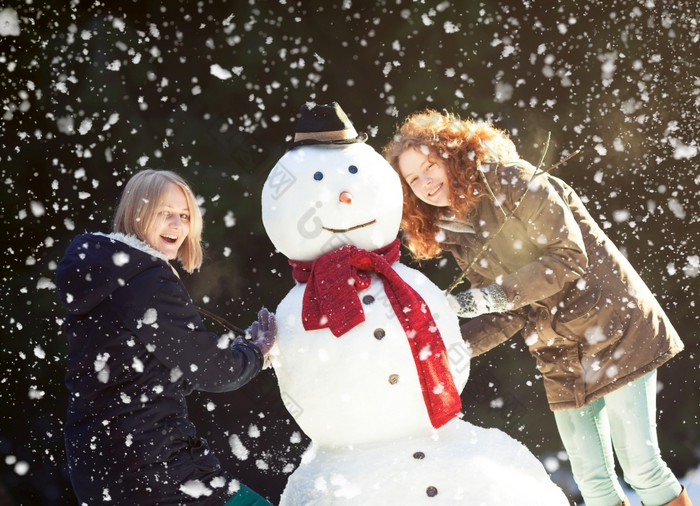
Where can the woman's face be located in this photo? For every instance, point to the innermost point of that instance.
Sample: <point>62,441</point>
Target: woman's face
<point>426,176</point>
<point>171,226</point>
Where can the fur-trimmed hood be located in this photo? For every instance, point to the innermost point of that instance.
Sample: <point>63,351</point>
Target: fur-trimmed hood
<point>96,264</point>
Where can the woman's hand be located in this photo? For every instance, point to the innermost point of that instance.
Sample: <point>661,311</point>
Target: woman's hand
<point>263,331</point>
<point>477,301</point>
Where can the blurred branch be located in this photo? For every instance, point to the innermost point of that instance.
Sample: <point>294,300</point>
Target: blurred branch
<point>508,216</point>
<point>221,321</point>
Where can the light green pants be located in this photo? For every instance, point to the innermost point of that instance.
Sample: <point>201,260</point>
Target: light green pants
<point>624,420</point>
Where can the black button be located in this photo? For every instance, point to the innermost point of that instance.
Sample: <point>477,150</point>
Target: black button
<point>367,299</point>
<point>419,455</point>
<point>379,333</point>
<point>431,491</point>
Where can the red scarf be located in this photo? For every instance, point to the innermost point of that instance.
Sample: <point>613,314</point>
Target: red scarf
<point>329,302</point>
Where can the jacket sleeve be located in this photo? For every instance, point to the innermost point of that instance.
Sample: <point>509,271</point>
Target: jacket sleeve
<point>160,313</point>
<point>487,331</point>
<point>551,226</point>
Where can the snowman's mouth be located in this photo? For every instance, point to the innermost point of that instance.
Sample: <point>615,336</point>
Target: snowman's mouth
<point>343,230</point>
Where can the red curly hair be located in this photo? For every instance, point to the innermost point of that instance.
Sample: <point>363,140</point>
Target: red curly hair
<point>462,145</point>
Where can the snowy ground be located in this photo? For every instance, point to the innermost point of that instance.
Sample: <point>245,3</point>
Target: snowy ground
<point>691,481</point>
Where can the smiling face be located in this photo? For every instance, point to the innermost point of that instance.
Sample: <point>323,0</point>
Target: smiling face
<point>171,225</point>
<point>318,198</point>
<point>426,175</point>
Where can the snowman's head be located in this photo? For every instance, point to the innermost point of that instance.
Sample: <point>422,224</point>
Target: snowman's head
<point>318,198</point>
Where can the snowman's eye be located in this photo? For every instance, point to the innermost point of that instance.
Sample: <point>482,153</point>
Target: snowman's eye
<point>318,176</point>
<point>352,169</point>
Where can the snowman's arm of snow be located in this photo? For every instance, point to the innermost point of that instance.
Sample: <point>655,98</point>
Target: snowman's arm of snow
<point>487,331</point>
<point>288,322</point>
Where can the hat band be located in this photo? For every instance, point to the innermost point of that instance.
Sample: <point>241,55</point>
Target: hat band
<point>335,135</point>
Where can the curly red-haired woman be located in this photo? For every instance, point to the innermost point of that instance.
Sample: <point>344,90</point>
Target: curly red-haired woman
<point>539,264</point>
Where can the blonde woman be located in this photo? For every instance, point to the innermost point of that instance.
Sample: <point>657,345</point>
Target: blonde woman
<point>137,348</point>
<point>539,264</point>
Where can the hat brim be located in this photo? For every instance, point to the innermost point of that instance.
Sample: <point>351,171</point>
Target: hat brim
<point>361,137</point>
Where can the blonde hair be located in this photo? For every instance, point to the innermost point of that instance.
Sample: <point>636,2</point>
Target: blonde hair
<point>137,210</point>
<point>462,145</point>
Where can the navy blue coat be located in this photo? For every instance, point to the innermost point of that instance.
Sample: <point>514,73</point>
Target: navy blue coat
<point>137,348</point>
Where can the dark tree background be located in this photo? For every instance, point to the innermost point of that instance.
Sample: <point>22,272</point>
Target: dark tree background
<point>92,91</point>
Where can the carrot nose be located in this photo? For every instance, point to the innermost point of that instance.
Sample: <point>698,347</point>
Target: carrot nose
<point>345,198</point>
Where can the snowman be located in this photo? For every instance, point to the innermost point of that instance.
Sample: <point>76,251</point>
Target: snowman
<point>369,358</point>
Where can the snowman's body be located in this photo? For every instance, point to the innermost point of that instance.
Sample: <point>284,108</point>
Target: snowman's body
<point>358,396</point>
<point>361,387</point>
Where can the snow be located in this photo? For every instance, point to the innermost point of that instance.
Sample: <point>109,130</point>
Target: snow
<point>474,463</point>
<point>93,91</point>
<point>150,316</point>
<point>9,23</point>
<point>120,259</point>
<point>237,447</point>
<point>195,488</point>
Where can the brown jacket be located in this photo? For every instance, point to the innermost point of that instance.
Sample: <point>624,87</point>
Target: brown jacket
<point>586,315</point>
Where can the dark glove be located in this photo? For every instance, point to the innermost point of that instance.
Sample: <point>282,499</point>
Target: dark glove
<point>263,331</point>
<point>477,301</point>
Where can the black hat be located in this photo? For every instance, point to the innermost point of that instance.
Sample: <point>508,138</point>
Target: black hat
<point>324,124</point>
